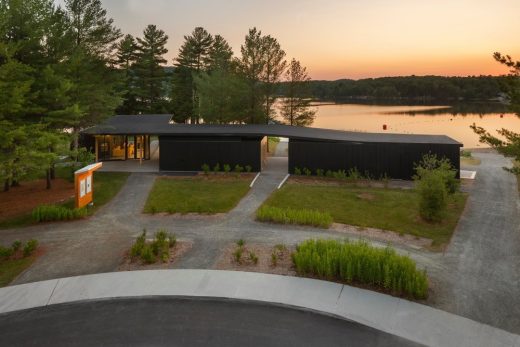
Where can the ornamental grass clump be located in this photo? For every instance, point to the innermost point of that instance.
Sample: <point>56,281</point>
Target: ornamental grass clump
<point>49,213</point>
<point>294,216</point>
<point>159,248</point>
<point>360,263</point>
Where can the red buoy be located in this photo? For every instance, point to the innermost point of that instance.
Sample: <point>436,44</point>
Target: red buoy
<point>501,115</point>
<point>384,126</point>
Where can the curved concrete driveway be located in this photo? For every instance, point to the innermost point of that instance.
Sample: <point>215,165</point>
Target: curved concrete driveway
<point>411,321</point>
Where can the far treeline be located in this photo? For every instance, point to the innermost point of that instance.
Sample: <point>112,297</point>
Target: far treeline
<point>418,88</point>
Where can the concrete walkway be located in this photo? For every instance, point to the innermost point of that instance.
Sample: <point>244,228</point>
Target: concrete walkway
<point>411,321</point>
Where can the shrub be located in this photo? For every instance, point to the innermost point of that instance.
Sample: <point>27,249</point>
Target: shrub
<point>248,168</point>
<point>241,243</point>
<point>432,197</point>
<point>172,240</point>
<point>48,213</point>
<point>137,247</point>
<point>16,245</point>
<point>227,168</point>
<point>340,174</point>
<point>206,169</point>
<point>430,163</point>
<point>465,154</point>
<point>147,255</point>
<point>362,264</point>
<point>329,174</point>
<point>30,247</point>
<point>274,258</point>
<point>238,168</point>
<point>307,172</point>
<point>237,255</point>
<point>297,171</point>
<point>294,216</point>
<point>253,257</point>
<point>6,252</point>
<point>161,245</point>
<point>320,172</point>
<point>353,174</point>
<point>216,168</point>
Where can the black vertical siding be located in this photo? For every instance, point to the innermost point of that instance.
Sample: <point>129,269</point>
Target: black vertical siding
<point>396,160</point>
<point>178,153</point>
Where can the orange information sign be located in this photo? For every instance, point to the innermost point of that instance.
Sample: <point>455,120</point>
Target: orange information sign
<point>84,184</point>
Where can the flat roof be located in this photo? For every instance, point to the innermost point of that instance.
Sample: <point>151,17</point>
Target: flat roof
<point>160,124</point>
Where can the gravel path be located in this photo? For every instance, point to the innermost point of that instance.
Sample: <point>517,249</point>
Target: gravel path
<point>477,277</point>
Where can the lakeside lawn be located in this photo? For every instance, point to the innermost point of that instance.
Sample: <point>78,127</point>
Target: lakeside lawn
<point>387,209</point>
<point>106,186</point>
<point>196,195</point>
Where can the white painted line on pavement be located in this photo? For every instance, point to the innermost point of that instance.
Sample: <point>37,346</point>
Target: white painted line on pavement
<point>283,181</point>
<point>254,180</point>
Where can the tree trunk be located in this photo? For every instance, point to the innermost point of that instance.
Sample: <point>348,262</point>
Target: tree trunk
<point>53,172</point>
<point>48,178</point>
<point>15,183</point>
<point>6,185</point>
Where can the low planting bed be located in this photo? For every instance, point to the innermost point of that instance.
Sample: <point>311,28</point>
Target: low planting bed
<point>294,216</point>
<point>202,194</point>
<point>160,252</point>
<point>15,259</point>
<point>381,208</point>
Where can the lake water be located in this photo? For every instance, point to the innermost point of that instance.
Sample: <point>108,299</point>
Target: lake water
<point>436,120</point>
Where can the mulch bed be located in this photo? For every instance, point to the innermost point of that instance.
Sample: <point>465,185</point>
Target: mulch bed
<point>23,199</point>
<point>129,264</point>
<point>284,265</point>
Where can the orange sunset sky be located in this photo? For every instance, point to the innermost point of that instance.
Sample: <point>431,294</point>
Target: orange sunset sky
<point>347,39</point>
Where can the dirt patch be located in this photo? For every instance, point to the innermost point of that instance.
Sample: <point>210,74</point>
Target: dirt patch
<point>23,199</point>
<point>176,252</point>
<point>383,235</point>
<point>366,196</point>
<point>284,265</point>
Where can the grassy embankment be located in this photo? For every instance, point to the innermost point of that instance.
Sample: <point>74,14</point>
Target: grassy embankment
<point>196,195</point>
<point>387,209</point>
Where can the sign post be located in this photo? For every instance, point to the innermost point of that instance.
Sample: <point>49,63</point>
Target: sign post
<point>84,184</point>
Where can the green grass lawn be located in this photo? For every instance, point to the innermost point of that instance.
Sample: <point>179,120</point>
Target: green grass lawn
<point>199,195</point>
<point>388,209</point>
<point>11,268</point>
<point>106,186</point>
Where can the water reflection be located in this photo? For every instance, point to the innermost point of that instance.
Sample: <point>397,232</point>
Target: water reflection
<point>450,120</point>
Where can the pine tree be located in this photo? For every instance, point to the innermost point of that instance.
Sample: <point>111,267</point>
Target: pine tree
<point>194,56</point>
<point>274,67</point>
<point>127,55</point>
<point>182,95</point>
<point>251,66</point>
<point>295,107</point>
<point>220,55</point>
<point>149,72</point>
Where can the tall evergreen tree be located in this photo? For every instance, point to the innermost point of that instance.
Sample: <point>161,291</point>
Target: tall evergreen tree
<point>295,107</point>
<point>181,104</point>
<point>88,67</point>
<point>252,65</point>
<point>274,67</point>
<point>150,74</point>
<point>194,56</point>
<point>220,55</point>
<point>127,55</point>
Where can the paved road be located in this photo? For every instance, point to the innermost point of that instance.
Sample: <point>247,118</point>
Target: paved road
<point>478,276</point>
<point>183,322</point>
